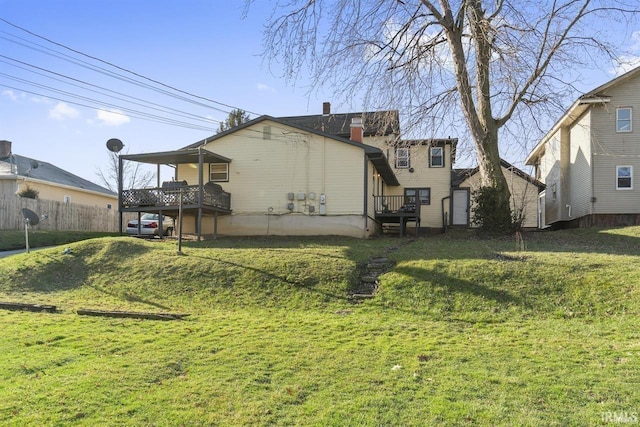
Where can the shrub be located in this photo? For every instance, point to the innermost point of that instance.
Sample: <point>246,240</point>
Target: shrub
<point>491,214</point>
<point>29,193</point>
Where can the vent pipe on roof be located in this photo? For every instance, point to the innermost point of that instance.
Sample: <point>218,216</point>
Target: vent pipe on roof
<point>357,129</point>
<point>326,108</point>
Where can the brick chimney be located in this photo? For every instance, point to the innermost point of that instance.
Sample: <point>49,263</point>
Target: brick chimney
<point>357,129</point>
<point>5,149</point>
<point>326,108</point>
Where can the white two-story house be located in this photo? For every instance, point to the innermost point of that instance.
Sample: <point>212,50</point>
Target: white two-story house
<point>590,159</point>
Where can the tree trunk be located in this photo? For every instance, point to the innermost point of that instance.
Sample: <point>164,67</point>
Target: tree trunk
<point>491,174</point>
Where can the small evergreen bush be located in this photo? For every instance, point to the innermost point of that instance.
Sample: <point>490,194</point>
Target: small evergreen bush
<point>29,193</point>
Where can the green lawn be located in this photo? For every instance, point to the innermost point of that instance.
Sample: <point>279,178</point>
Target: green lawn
<point>463,331</point>
<point>15,239</point>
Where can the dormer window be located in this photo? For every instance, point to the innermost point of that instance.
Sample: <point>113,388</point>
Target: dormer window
<point>623,119</point>
<point>436,157</point>
<point>402,158</point>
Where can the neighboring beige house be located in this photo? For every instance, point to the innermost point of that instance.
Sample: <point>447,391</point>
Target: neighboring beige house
<point>523,187</point>
<point>590,159</point>
<point>52,183</point>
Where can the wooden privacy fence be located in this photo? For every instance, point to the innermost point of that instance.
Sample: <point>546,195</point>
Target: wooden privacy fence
<point>62,216</point>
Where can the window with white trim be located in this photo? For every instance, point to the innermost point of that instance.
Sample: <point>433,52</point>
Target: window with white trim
<point>436,157</point>
<point>219,172</point>
<point>623,119</point>
<point>402,158</point>
<point>624,177</point>
<point>67,199</point>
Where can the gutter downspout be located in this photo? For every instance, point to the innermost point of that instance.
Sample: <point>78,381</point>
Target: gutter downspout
<point>444,220</point>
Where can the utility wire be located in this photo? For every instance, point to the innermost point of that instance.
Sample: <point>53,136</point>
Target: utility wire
<point>106,72</point>
<point>123,96</point>
<point>121,68</point>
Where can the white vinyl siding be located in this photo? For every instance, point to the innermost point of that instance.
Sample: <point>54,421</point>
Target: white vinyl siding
<point>612,149</point>
<point>263,173</point>
<point>580,188</point>
<point>550,174</point>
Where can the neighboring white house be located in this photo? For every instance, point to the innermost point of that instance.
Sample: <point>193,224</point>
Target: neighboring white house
<point>590,159</point>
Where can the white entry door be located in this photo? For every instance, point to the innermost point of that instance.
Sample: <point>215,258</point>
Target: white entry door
<point>460,208</point>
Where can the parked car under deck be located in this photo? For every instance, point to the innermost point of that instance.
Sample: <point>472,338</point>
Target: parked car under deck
<point>150,225</point>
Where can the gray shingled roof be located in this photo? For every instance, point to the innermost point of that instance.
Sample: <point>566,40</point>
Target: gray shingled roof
<point>376,123</point>
<point>459,175</point>
<point>48,172</point>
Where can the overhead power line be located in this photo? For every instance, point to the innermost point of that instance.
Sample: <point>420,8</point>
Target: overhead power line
<point>122,68</point>
<point>202,122</point>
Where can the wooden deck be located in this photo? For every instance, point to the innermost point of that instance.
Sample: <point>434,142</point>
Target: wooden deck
<point>397,210</point>
<point>167,199</point>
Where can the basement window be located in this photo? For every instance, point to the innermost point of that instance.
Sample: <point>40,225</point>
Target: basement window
<point>219,172</point>
<point>624,178</point>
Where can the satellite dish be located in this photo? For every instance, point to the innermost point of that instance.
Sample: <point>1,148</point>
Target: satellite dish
<point>34,163</point>
<point>30,217</point>
<point>114,145</point>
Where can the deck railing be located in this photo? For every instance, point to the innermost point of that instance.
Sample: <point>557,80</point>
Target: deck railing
<point>170,196</point>
<point>396,204</point>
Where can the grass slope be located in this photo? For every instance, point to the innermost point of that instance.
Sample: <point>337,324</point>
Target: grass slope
<point>462,331</point>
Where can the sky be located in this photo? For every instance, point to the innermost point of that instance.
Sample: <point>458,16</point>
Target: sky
<point>207,48</point>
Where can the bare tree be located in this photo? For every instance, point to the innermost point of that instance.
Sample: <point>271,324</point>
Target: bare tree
<point>490,67</point>
<point>133,174</point>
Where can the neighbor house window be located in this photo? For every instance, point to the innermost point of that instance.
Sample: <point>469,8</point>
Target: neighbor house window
<point>436,157</point>
<point>623,119</point>
<point>219,172</point>
<point>67,199</point>
<point>423,194</point>
<point>624,177</point>
<point>109,206</point>
<point>402,158</point>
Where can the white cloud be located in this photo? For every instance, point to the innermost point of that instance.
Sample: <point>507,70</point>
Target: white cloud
<point>11,94</point>
<point>625,63</point>
<point>63,111</point>
<point>112,118</point>
<point>630,61</point>
<point>265,88</point>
